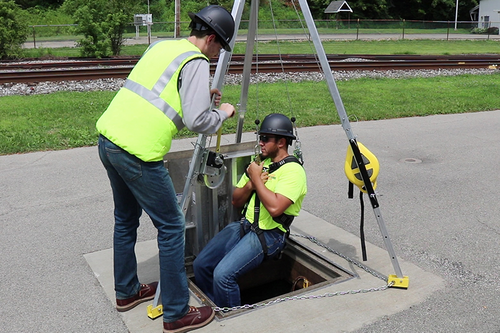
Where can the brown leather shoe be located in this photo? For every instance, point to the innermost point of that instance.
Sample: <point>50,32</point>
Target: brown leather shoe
<point>146,293</point>
<point>195,318</point>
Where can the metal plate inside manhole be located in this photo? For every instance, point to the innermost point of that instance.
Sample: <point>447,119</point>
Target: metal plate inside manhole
<point>299,271</point>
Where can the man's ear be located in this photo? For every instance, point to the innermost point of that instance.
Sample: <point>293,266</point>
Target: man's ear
<point>283,142</point>
<point>211,38</point>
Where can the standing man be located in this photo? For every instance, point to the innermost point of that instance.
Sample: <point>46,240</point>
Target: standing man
<point>277,187</point>
<point>167,90</point>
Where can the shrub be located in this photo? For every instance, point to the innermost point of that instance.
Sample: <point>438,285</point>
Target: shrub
<point>492,31</point>
<point>485,31</point>
<point>101,22</point>
<point>13,29</point>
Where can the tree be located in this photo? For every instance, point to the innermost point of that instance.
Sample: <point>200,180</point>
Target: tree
<point>102,24</point>
<point>115,25</point>
<point>13,29</point>
<point>369,9</point>
<point>432,10</point>
<point>25,4</point>
<point>89,20</point>
<point>438,10</point>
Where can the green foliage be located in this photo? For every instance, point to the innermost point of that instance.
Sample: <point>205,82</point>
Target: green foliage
<point>13,29</point>
<point>431,9</point>
<point>163,10</point>
<point>115,25</point>
<point>25,4</point>
<point>102,24</point>
<point>39,16</point>
<point>54,17</point>
<point>485,31</point>
<point>276,13</point>
<point>370,9</point>
<point>94,43</point>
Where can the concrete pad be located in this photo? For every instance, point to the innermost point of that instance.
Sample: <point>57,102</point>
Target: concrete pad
<point>323,313</point>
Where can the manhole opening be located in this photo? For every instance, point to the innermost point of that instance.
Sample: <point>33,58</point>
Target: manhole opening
<point>299,271</point>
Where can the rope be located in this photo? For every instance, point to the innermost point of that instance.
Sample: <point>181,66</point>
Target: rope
<point>313,49</point>
<point>281,59</point>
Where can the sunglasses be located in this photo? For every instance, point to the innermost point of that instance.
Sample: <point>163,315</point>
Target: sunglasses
<point>265,138</point>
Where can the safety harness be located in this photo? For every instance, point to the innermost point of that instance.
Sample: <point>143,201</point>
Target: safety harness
<point>284,219</point>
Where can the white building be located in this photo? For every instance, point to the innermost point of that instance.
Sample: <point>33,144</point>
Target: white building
<point>489,14</point>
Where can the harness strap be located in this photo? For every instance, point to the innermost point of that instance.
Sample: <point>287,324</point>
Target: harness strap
<point>259,232</point>
<point>284,219</point>
<point>276,165</point>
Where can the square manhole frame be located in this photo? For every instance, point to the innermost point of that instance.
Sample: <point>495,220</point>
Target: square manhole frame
<point>315,259</point>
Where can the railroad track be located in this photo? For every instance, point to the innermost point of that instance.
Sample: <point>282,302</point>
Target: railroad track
<point>74,70</point>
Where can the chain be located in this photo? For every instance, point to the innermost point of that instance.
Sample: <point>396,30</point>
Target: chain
<point>343,256</point>
<point>302,297</point>
<point>306,297</point>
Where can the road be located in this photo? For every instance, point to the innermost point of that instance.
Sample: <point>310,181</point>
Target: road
<point>438,192</point>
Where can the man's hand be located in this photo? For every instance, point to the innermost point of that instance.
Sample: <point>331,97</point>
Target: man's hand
<point>254,171</point>
<point>228,108</point>
<point>241,195</point>
<point>216,95</point>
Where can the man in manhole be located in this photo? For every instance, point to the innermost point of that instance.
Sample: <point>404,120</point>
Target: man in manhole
<point>271,193</point>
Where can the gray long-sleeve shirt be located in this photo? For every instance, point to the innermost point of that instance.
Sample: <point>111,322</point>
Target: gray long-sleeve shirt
<point>195,97</point>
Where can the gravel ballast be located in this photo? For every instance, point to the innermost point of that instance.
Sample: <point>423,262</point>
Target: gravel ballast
<point>9,89</point>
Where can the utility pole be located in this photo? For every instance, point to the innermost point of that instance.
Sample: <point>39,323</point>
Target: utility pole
<point>149,26</point>
<point>177,27</point>
<point>456,14</point>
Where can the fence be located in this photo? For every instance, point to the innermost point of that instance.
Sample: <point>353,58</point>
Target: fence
<point>338,29</point>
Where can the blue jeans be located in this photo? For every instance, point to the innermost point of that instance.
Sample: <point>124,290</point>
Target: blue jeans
<point>228,256</point>
<point>147,186</point>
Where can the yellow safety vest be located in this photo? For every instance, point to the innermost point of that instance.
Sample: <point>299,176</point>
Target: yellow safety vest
<point>146,112</point>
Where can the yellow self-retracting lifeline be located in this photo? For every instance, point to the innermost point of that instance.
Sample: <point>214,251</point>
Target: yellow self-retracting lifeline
<point>366,160</point>
<point>351,168</point>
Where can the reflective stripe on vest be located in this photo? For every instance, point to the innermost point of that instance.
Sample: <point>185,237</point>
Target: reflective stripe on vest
<point>153,95</point>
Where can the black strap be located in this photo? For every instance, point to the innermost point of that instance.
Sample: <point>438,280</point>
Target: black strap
<point>284,219</point>
<point>350,191</point>
<point>362,226</point>
<point>362,218</point>
<point>276,165</point>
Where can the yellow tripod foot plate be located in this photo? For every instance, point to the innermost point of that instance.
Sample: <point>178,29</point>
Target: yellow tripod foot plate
<point>154,313</point>
<point>398,282</point>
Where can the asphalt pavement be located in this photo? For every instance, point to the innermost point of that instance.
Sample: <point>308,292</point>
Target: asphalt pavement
<point>438,193</point>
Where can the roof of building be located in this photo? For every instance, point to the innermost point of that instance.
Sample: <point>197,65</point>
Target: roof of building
<point>338,6</point>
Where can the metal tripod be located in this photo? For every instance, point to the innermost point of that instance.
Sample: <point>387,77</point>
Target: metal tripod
<point>398,280</point>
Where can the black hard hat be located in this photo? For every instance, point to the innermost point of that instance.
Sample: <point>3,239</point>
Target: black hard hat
<point>277,124</point>
<point>219,19</point>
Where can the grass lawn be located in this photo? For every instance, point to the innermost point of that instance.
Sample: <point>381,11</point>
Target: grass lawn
<point>65,120</point>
